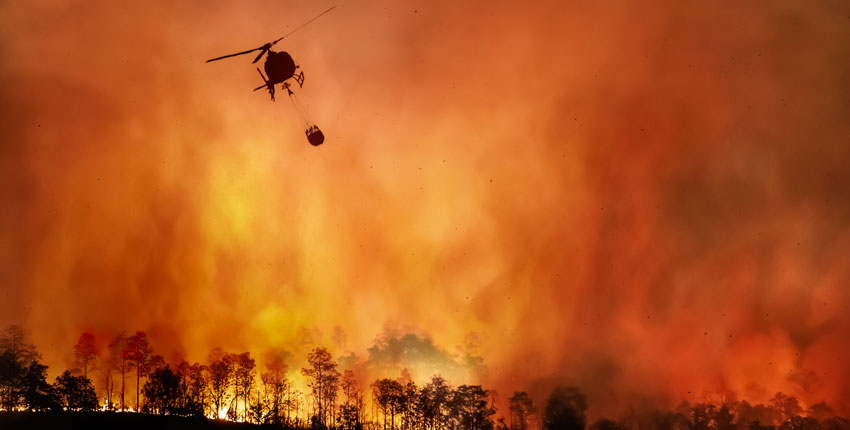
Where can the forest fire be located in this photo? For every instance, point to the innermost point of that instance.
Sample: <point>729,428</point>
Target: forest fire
<point>640,205</point>
<point>232,388</point>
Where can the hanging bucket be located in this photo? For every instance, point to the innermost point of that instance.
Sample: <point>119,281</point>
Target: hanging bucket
<point>315,136</point>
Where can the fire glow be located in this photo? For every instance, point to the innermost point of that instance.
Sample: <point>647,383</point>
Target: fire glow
<point>647,201</point>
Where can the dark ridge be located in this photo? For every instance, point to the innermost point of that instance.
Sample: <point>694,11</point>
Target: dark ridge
<point>114,420</point>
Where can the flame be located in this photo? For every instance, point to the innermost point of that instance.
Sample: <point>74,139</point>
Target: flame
<point>645,200</point>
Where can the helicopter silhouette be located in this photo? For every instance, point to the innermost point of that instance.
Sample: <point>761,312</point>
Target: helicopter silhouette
<point>280,67</point>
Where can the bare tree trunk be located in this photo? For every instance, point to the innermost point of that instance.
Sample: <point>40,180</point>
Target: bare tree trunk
<point>109,389</point>
<point>123,370</point>
<point>138,365</point>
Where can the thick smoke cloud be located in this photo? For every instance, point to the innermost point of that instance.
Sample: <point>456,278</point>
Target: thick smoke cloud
<point>393,353</point>
<point>648,200</point>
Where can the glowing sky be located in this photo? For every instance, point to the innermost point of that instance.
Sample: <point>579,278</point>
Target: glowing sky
<point>648,199</point>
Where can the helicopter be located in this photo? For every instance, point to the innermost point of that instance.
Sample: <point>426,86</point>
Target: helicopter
<point>280,68</point>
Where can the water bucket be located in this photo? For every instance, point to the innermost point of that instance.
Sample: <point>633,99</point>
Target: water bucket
<point>315,136</point>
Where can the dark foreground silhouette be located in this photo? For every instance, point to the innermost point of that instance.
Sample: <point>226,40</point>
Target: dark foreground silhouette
<point>114,420</point>
<point>184,395</point>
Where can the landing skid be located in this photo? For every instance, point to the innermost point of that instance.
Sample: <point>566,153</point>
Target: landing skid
<point>299,78</point>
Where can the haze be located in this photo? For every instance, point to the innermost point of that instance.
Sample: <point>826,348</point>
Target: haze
<point>648,199</point>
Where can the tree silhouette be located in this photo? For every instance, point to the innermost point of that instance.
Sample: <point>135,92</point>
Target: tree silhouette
<point>565,410</point>
<point>37,394</point>
<point>196,390</point>
<point>155,362</point>
<point>163,391</point>
<point>820,411</point>
<point>408,401</point>
<point>387,394</point>
<point>836,423</point>
<point>14,340</point>
<point>724,419</point>
<point>118,361</point>
<point>16,354</point>
<point>471,409</point>
<point>85,353</point>
<point>788,406</point>
<point>10,380</point>
<point>521,408</point>
<point>274,389</point>
<point>220,377</point>
<point>76,392</point>
<point>789,409</point>
<point>324,382</point>
<point>257,410</point>
<point>243,379</point>
<point>702,416</point>
<point>194,382</point>
<point>350,413</point>
<point>756,414</point>
<point>106,367</point>
<point>434,403</point>
<point>137,353</point>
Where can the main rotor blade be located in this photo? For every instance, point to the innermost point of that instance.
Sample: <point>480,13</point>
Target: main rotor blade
<point>262,76</point>
<point>233,55</point>
<point>260,55</point>
<point>263,49</point>
<point>304,25</point>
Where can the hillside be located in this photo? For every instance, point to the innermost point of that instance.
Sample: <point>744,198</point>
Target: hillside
<point>113,421</point>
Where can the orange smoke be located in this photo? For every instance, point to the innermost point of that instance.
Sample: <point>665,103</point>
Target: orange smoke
<point>648,200</point>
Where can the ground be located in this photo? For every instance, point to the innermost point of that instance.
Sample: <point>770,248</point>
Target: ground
<point>112,421</point>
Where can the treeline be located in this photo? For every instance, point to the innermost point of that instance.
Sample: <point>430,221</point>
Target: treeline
<point>782,412</point>
<point>230,386</point>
